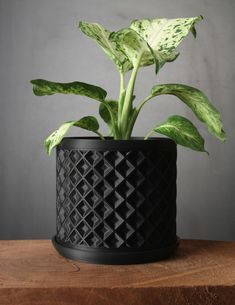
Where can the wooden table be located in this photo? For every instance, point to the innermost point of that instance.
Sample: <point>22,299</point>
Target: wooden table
<point>202,272</point>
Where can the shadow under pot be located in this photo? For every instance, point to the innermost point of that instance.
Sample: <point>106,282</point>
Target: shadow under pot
<point>116,200</point>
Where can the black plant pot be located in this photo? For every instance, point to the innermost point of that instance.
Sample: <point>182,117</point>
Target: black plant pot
<point>116,200</point>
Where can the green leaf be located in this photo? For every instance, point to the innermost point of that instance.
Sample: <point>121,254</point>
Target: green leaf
<point>138,50</point>
<point>133,46</point>
<point>45,87</point>
<point>105,115</point>
<point>164,35</point>
<point>89,123</point>
<point>161,59</point>
<point>101,36</point>
<point>199,104</point>
<point>182,131</point>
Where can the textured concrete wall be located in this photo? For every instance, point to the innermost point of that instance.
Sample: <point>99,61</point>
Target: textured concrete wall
<point>39,39</point>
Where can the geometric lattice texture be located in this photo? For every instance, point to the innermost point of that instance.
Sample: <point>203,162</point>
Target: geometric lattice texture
<point>115,199</point>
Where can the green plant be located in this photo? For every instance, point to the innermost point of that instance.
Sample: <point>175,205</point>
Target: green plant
<point>146,42</point>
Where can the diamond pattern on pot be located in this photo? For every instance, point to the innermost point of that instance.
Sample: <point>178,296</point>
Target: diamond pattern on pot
<point>115,199</point>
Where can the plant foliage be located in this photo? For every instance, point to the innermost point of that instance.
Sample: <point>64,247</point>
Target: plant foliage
<point>146,42</point>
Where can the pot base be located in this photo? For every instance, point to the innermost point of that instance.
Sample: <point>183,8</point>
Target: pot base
<point>116,256</point>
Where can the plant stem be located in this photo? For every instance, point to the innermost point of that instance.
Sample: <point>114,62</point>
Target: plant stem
<point>100,135</point>
<point>121,97</point>
<point>131,124</point>
<point>148,135</point>
<point>141,104</point>
<point>115,128</point>
<point>122,83</point>
<point>127,106</point>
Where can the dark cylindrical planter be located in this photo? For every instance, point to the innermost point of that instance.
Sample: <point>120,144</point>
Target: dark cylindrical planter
<point>116,200</point>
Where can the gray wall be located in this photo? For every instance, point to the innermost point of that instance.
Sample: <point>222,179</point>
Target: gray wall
<point>39,39</point>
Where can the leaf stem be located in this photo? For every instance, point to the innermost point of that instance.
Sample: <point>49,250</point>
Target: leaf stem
<point>127,106</point>
<point>100,135</point>
<point>115,128</point>
<point>142,103</point>
<point>122,83</point>
<point>122,92</point>
<point>148,135</point>
<point>135,115</point>
<point>131,124</point>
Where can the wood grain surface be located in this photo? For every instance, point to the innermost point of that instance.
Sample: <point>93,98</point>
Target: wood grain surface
<point>201,273</point>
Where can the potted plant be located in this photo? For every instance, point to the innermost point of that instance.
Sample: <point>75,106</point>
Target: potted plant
<point>116,195</point>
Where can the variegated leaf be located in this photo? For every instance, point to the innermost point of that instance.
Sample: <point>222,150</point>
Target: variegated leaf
<point>164,35</point>
<point>133,46</point>
<point>182,131</point>
<point>199,104</point>
<point>89,123</point>
<point>101,35</point>
<point>45,87</point>
<point>137,49</point>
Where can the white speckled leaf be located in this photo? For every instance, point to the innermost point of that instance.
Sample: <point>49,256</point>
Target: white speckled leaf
<point>89,123</point>
<point>133,46</point>
<point>182,131</point>
<point>138,50</point>
<point>44,87</point>
<point>199,104</point>
<point>164,35</point>
<point>101,36</point>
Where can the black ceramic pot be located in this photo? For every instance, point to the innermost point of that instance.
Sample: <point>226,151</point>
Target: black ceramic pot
<point>116,200</point>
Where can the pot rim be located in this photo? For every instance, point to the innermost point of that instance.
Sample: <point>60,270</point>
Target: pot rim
<point>135,143</point>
